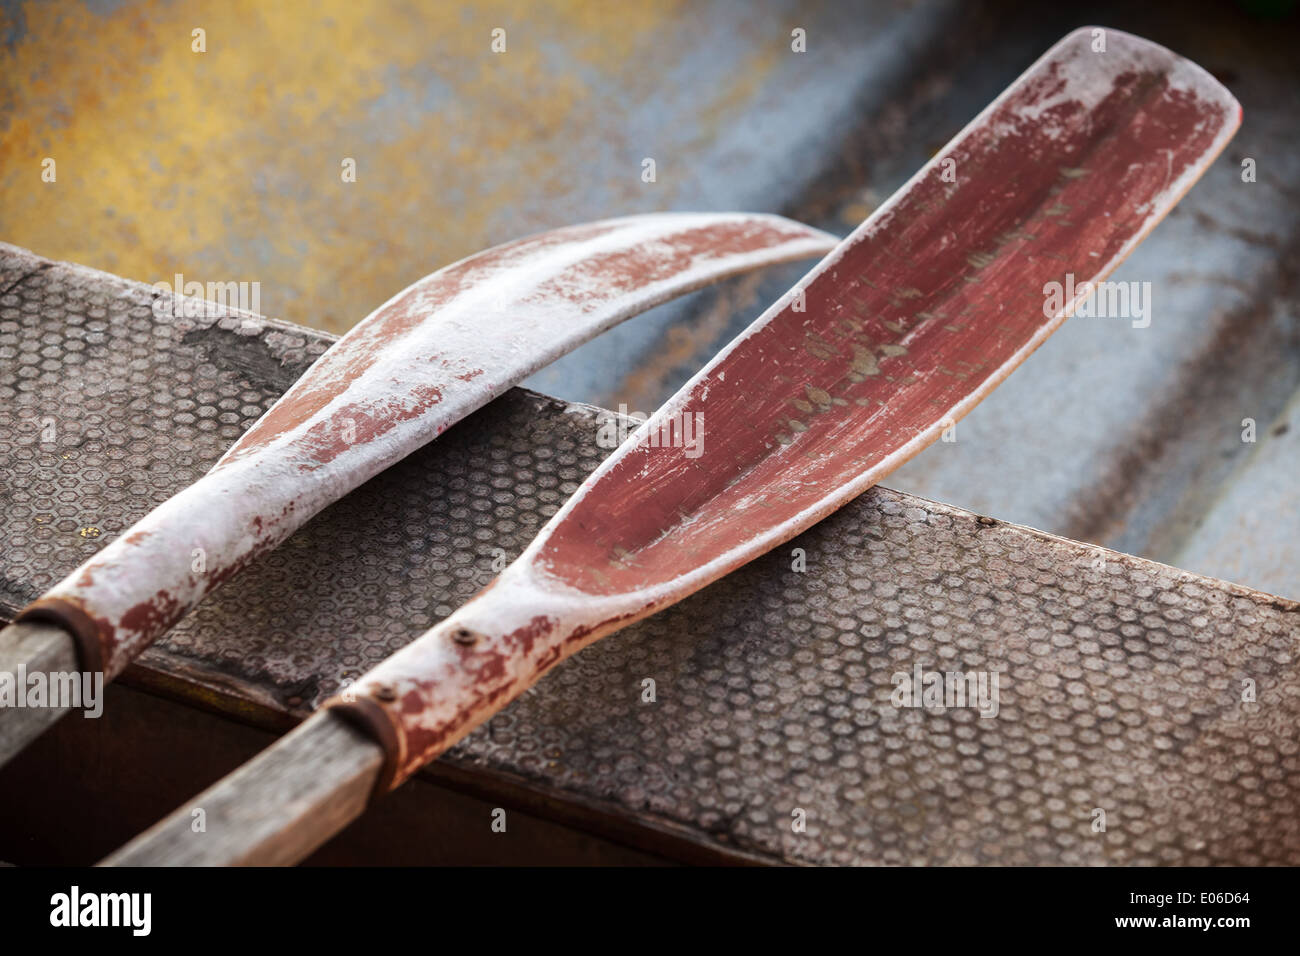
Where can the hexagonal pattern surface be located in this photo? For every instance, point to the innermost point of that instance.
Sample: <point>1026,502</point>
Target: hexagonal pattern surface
<point>1144,714</point>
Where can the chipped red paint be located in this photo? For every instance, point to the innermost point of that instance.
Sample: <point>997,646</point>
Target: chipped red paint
<point>161,612</point>
<point>912,319</point>
<point>369,421</point>
<point>418,364</point>
<point>899,332</point>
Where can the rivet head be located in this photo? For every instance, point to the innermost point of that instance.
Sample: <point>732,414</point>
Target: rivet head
<point>463,635</point>
<point>385,692</point>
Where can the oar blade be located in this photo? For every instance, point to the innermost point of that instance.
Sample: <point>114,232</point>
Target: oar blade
<point>907,325</point>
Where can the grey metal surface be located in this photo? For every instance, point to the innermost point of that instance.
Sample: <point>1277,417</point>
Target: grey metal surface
<point>1121,680</point>
<point>1252,532</point>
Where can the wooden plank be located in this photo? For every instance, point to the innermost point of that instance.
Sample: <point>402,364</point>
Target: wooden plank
<point>28,648</point>
<point>275,810</point>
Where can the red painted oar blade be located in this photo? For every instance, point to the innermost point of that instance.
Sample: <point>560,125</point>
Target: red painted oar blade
<point>904,327</point>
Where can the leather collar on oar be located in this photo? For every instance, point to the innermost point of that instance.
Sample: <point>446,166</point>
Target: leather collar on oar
<point>911,321</point>
<point>421,362</point>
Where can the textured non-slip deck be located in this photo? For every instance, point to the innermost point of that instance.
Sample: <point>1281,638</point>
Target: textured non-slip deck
<point>1121,681</point>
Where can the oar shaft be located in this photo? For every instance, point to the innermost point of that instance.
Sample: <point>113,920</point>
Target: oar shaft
<point>275,810</point>
<point>26,649</point>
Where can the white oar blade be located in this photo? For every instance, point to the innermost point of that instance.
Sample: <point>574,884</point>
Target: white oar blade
<point>417,365</point>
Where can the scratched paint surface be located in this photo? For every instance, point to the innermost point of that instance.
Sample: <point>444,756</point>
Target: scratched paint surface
<point>929,304</point>
<point>420,363</point>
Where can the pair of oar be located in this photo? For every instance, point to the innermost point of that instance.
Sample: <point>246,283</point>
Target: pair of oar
<point>899,332</point>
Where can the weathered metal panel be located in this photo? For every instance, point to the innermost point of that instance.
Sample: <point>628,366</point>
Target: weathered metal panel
<point>227,164</point>
<point>1121,680</point>
<point>1252,533</point>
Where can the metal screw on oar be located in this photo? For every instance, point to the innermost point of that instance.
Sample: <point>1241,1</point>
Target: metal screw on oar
<point>912,320</point>
<point>422,361</point>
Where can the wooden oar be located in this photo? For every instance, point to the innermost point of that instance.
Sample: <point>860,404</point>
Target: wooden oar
<point>899,332</point>
<point>422,361</point>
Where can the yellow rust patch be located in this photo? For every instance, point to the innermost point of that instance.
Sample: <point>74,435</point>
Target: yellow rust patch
<point>226,165</point>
